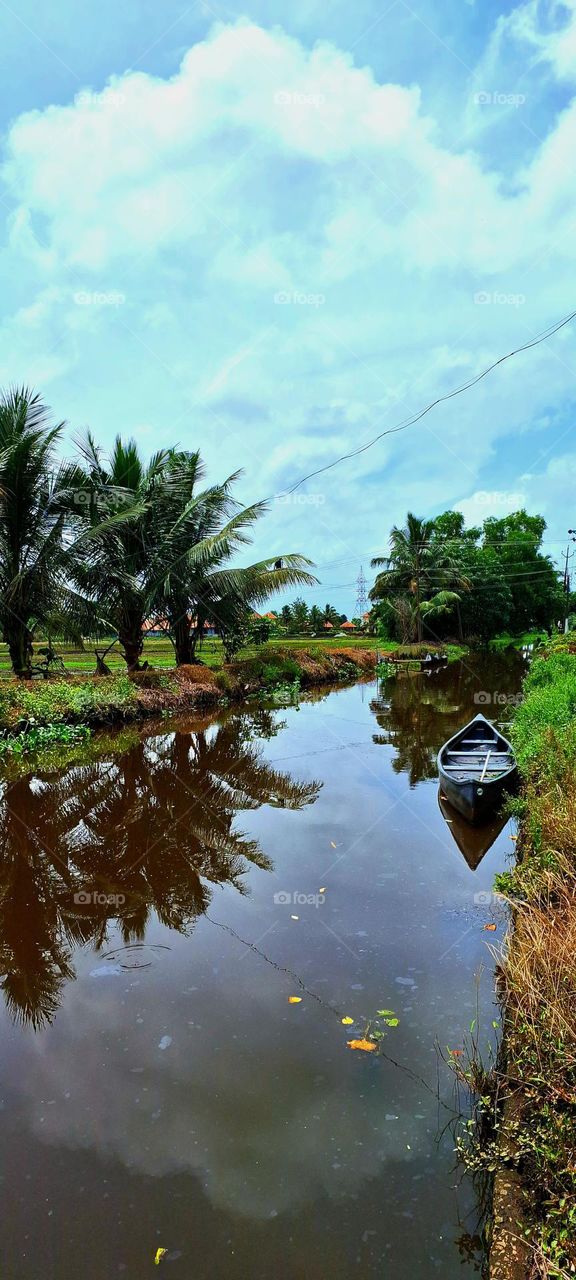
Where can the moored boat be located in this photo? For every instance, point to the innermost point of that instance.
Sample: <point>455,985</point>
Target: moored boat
<point>476,767</point>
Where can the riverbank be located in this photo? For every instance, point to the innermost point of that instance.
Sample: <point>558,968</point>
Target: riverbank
<point>32,711</point>
<point>532,1092</point>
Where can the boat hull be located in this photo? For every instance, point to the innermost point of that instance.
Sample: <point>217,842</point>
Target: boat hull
<point>477,801</point>
<point>477,768</point>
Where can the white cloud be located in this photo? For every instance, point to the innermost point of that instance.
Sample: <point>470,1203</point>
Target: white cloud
<point>263,168</point>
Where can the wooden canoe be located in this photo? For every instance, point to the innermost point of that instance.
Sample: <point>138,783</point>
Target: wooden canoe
<point>475,768</point>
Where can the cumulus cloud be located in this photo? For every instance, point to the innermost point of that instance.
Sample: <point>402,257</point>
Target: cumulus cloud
<point>287,233</point>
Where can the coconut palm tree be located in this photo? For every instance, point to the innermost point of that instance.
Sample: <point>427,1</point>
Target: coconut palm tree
<point>114,569</point>
<point>421,569</point>
<point>161,546</point>
<point>37,516</point>
<point>195,583</point>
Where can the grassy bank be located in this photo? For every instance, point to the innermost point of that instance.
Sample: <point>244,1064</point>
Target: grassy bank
<point>159,652</point>
<point>34,714</point>
<point>531,1097</point>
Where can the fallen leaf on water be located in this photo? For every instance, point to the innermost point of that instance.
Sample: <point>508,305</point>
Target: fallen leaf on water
<point>294,917</point>
<point>323,890</point>
<point>334,846</point>
<point>347,1022</point>
<point>294,999</point>
<point>160,1253</point>
<point>367,1046</point>
<point>513,837</point>
<point>385,1013</point>
<point>489,928</point>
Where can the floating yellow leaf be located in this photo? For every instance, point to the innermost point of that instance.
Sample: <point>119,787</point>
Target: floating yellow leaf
<point>334,846</point>
<point>159,1256</point>
<point>367,1046</point>
<point>294,999</point>
<point>323,890</point>
<point>489,928</point>
<point>347,1022</point>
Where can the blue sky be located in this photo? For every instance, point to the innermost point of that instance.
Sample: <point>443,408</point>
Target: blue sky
<point>273,231</point>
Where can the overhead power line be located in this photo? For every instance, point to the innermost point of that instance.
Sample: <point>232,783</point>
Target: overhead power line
<point>450,395</point>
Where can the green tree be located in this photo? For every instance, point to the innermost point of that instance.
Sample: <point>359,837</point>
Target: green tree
<point>169,557</point>
<point>419,574</point>
<point>118,570</point>
<point>330,614</point>
<point>300,618</point>
<point>515,541</point>
<point>36,511</point>
<point>315,620</point>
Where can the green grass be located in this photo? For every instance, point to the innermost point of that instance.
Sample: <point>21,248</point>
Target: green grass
<point>160,652</point>
<point>538,972</point>
<point>54,701</point>
<point>505,641</point>
<point>545,722</point>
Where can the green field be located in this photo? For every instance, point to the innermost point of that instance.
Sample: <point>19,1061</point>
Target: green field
<point>160,653</point>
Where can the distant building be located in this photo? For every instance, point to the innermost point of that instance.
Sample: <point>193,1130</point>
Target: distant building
<point>154,628</point>
<point>348,626</point>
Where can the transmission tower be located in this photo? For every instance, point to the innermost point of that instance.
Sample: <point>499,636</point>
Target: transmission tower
<point>361,595</point>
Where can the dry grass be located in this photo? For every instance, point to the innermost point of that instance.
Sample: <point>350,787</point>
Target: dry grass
<point>538,972</point>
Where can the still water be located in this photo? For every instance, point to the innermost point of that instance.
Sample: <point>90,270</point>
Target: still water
<point>160,901</point>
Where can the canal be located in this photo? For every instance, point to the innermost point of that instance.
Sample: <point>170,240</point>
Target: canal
<point>187,913</point>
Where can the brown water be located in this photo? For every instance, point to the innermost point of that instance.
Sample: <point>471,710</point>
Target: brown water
<point>157,1089</point>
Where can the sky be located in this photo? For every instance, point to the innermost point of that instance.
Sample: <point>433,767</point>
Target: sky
<point>272,232</point>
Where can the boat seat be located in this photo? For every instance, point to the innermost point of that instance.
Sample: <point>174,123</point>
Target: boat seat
<point>478,754</point>
<point>473,773</point>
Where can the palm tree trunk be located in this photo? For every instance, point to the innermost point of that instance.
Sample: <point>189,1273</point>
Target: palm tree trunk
<point>132,644</point>
<point>184,642</point>
<point>18,637</point>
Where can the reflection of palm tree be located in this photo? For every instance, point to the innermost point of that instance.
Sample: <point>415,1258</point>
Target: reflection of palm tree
<point>153,829</point>
<point>35,889</point>
<point>416,715</point>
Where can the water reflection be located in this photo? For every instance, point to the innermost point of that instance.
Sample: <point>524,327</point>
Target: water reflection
<point>472,841</point>
<point>418,712</point>
<point>148,831</point>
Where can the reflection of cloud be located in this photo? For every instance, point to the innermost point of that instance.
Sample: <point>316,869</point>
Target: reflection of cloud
<point>266,1122</point>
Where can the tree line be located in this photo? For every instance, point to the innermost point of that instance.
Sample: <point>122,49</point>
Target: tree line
<point>300,619</point>
<point>441,579</point>
<point>96,547</point>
